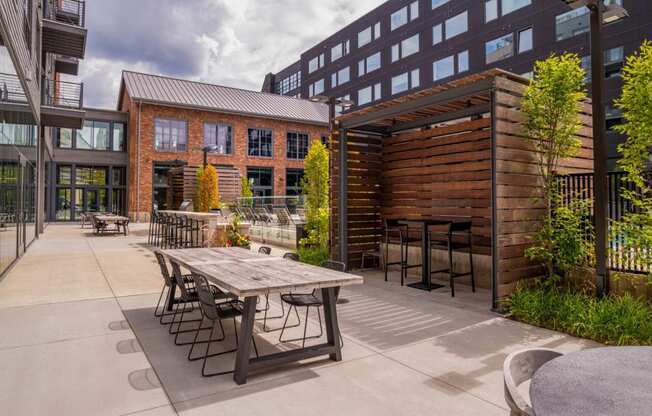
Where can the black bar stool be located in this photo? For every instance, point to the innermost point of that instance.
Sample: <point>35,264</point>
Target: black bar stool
<point>456,236</point>
<point>396,233</point>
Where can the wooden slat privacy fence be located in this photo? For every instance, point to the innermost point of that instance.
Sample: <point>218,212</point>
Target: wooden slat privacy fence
<point>183,181</point>
<point>457,150</point>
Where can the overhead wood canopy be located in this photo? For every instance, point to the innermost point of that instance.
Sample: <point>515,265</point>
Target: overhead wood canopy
<point>454,150</point>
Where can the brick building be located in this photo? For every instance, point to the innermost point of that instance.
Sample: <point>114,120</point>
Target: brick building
<point>264,136</point>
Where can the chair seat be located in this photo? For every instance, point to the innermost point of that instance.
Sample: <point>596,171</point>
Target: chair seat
<point>229,310</point>
<point>301,299</point>
<point>444,245</point>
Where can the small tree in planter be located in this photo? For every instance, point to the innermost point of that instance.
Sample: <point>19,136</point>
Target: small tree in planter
<point>207,189</point>
<point>635,229</point>
<point>315,188</point>
<point>552,103</point>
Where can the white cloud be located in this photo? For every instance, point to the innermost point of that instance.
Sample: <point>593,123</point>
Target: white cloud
<point>228,42</point>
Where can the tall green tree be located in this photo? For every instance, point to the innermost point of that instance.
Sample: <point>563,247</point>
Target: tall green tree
<point>552,104</point>
<point>315,184</point>
<point>635,229</point>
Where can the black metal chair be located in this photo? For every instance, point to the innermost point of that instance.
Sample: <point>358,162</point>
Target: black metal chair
<point>309,300</point>
<point>168,283</point>
<point>291,256</point>
<point>400,234</point>
<point>268,251</point>
<point>214,309</point>
<point>456,236</point>
<point>265,250</point>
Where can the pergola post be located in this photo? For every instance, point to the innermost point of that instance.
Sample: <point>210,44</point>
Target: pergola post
<point>343,199</point>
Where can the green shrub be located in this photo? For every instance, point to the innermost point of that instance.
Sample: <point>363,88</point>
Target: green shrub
<point>313,255</point>
<point>614,320</point>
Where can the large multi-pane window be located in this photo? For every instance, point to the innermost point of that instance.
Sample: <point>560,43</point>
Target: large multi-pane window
<point>170,135</point>
<point>369,94</point>
<point>289,83</point>
<point>262,181</point>
<point>368,35</point>
<point>293,178</point>
<point>297,145</point>
<point>369,64</point>
<point>340,50</point>
<point>340,77</point>
<point>572,23</point>
<point>94,135</point>
<point>405,81</point>
<point>509,6</point>
<point>316,88</point>
<point>450,65</point>
<point>405,48</point>
<point>492,11</point>
<point>404,15</point>
<point>260,143</point>
<point>220,136</point>
<point>500,48</point>
<point>315,63</point>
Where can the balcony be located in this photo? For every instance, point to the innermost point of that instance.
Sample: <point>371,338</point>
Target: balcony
<point>14,106</point>
<point>64,27</point>
<point>62,103</point>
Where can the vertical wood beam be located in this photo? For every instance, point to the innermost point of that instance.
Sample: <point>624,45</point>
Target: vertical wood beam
<point>343,199</point>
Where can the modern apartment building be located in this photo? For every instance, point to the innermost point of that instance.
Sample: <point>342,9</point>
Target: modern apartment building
<point>406,45</point>
<point>39,41</point>
<point>264,137</point>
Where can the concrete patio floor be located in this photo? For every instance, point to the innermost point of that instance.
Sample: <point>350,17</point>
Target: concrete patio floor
<point>79,338</point>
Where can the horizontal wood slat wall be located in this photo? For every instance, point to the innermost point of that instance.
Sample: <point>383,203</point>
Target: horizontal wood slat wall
<point>184,184</point>
<point>518,212</point>
<point>441,172</point>
<point>364,170</point>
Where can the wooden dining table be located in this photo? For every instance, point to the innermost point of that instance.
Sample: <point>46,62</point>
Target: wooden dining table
<point>249,275</point>
<point>117,220</point>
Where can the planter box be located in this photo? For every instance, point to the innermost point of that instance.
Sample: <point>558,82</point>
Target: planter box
<point>637,285</point>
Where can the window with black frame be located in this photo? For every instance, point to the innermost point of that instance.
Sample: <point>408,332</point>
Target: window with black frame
<point>293,178</point>
<point>220,136</point>
<point>262,180</point>
<point>260,143</point>
<point>95,135</point>
<point>297,145</point>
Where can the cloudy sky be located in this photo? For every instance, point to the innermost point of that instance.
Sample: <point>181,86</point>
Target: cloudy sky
<point>228,42</point>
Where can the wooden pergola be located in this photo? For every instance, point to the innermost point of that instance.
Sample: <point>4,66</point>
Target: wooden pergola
<point>456,150</point>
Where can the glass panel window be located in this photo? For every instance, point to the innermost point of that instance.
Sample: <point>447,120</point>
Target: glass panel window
<point>90,176</point>
<point>463,61</point>
<point>340,77</point>
<point>398,18</point>
<point>572,23</point>
<point>437,3</point>
<point>490,10</point>
<point>501,48</point>
<point>415,78</point>
<point>364,37</point>
<point>457,25</point>
<point>84,137</point>
<point>613,61</point>
<point>262,181</point>
<point>443,68</point>
<point>297,145</point>
<point>316,63</point>
<point>220,136</point>
<point>260,143</point>
<point>373,62</point>
<point>170,135</point>
<point>525,41</point>
<point>377,92</point>
<point>64,139</point>
<point>101,131</point>
<point>509,6</point>
<point>340,50</point>
<point>119,177</point>
<point>400,83</point>
<point>414,10</point>
<point>437,34</point>
<point>64,175</point>
<point>293,179</point>
<point>63,204</point>
<point>377,30</point>
<point>119,137</point>
<point>410,46</point>
<point>364,96</point>
<point>316,88</point>
<point>396,52</point>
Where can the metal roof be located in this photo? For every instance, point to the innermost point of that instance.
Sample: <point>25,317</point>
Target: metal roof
<point>175,92</point>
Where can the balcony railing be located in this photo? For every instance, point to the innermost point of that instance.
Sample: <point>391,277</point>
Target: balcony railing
<point>11,90</point>
<point>72,12</point>
<point>63,94</point>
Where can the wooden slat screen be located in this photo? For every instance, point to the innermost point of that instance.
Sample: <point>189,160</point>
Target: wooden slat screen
<point>184,184</point>
<point>518,185</point>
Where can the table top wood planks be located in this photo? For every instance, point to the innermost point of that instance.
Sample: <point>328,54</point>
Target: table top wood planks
<point>111,218</point>
<point>246,273</point>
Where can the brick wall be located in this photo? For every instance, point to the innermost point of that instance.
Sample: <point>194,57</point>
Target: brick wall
<point>141,171</point>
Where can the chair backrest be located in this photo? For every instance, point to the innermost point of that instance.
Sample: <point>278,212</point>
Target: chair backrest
<point>206,297</point>
<point>291,256</point>
<point>519,367</point>
<point>265,250</point>
<point>165,272</point>
<point>181,282</point>
<point>334,265</point>
<point>463,226</point>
